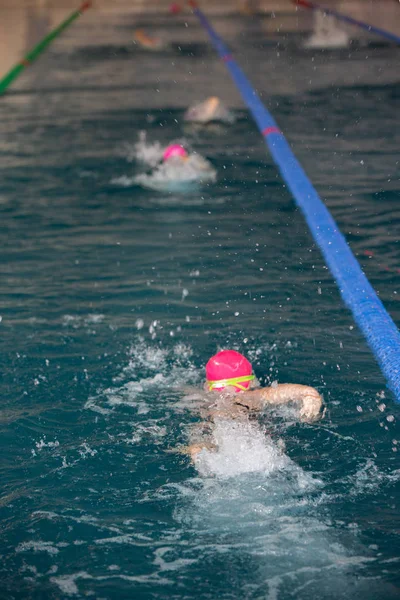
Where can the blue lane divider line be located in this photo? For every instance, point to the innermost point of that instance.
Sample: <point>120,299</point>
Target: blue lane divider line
<point>330,11</point>
<point>369,313</point>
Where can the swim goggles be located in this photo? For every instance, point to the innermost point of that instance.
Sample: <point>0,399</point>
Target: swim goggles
<point>236,381</point>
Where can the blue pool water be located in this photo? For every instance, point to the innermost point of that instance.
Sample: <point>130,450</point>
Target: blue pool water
<point>113,297</point>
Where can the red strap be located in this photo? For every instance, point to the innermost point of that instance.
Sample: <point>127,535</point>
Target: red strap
<point>85,6</point>
<point>303,3</point>
<point>269,130</point>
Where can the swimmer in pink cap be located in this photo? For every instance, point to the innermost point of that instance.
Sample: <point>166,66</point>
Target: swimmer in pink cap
<point>176,151</point>
<point>229,375</point>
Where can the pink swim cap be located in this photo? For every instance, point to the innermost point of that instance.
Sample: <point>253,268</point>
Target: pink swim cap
<point>229,368</point>
<point>174,150</point>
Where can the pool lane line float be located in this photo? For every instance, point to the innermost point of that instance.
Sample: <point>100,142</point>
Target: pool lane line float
<point>358,294</point>
<point>38,49</point>
<point>330,11</point>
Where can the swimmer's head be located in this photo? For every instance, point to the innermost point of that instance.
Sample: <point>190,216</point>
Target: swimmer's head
<point>140,35</point>
<point>228,368</point>
<point>205,111</point>
<point>174,151</point>
<point>209,107</point>
<point>212,103</point>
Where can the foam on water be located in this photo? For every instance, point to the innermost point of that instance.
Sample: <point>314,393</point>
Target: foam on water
<point>67,583</point>
<point>40,546</point>
<point>123,181</point>
<point>77,321</point>
<point>369,478</point>
<point>269,522</point>
<point>254,504</point>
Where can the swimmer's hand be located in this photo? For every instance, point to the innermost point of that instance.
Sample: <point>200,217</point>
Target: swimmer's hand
<point>309,399</point>
<point>311,407</point>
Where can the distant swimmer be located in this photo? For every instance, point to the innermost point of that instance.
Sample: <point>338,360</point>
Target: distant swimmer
<point>327,33</point>
<point>235,396</point>
<point>175,151</point>
<point>211,109</point>
<point>178,170</point>
<point>144,40</point>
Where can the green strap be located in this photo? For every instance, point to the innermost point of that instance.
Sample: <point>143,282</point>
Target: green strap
<point>236,381</point>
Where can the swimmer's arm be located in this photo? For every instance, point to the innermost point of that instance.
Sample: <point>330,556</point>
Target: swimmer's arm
<point>308,397</point>
<point>201,431</point>
<point>194,449</point>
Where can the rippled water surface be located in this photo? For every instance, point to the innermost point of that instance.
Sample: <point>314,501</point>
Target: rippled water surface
<point>113,297</point>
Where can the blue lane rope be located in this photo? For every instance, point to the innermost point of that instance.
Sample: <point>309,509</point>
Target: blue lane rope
<point>381,333</point>
<point>329,11</point>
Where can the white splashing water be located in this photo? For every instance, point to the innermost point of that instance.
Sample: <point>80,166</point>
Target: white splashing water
<point>244,447</point>
<point>255,502</point>
<point>142,356</point>
<point>144,152</point>
<point>149,370</point>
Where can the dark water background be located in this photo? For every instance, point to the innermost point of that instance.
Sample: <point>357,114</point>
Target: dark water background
<point>113,298</point>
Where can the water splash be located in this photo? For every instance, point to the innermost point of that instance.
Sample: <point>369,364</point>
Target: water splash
<point>244,447</point>
<point>151,370</point>
<point>144,151</point>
